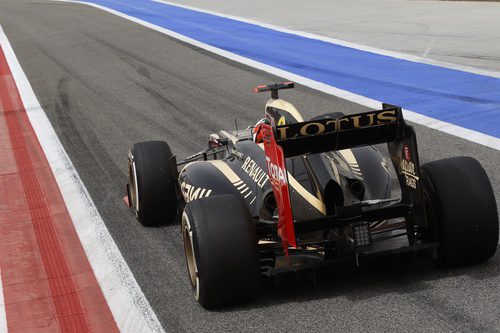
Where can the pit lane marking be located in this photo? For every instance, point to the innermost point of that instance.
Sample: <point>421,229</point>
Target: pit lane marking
<point>130,309</point>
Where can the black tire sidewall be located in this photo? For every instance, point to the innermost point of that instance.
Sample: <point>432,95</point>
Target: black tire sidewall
<point>154,165</point>
<point>464,210</point>
<point>225,249</point>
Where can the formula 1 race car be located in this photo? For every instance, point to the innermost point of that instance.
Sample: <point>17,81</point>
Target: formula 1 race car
<point>290,194</point>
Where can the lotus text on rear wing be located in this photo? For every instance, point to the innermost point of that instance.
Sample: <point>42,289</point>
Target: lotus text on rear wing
<point>316,127</point>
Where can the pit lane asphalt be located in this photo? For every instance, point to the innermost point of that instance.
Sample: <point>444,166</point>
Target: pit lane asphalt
<point>106,83</point>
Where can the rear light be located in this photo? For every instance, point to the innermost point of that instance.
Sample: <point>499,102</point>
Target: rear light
<point>361,234</point>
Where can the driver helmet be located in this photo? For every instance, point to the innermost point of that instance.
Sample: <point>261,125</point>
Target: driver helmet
<point>257,133</point>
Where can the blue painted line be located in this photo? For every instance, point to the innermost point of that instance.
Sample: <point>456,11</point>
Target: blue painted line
<point>465,99</point>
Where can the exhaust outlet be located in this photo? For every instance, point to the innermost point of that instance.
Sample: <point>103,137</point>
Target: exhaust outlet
<point>357,188</point>
<point>270,202</point>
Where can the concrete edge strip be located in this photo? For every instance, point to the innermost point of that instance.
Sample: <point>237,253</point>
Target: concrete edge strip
<point>3,316</point>
<point>464,133</point>
<point>366,48</point>
<point>128,304</point>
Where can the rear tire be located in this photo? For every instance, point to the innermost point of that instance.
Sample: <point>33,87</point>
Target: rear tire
<point>152,190</point>
<point>221,250</point>
<point>461,210</point>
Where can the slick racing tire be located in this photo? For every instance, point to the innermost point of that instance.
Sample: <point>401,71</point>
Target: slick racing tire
<point>152,193</point>
<point>221,250</point>
<point>461,210</point>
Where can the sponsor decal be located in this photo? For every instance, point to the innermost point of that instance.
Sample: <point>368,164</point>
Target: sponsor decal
<point>276,172</point>
<point>255,172</point>
<point>334,125</point>
<point>190,192</point>
<point>406,153</point>
<point>242,188</point>
<point>407,168</point>
<point>281,121</point>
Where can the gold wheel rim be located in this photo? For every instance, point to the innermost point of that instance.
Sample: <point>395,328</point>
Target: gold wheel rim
<point>187,235</point>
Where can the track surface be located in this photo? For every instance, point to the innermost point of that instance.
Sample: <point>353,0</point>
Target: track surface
<point>106,83</point>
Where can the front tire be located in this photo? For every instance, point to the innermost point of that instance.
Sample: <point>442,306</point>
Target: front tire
<point>461,210</point>
<point>151,187</point>
<point>221,250</point>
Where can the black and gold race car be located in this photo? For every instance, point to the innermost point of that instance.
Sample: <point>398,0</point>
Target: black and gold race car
<point>292,194</point>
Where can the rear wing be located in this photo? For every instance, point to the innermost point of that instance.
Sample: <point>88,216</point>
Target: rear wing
<point>350,131</point>
<point>362,129</point>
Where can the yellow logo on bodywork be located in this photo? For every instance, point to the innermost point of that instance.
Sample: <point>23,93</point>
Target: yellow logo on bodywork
<point>281,121</point>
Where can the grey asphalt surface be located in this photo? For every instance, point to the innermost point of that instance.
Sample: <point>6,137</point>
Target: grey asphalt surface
<point>106,83</point>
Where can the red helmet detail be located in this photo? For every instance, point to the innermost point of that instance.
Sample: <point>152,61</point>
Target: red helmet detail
<point>257,133</point>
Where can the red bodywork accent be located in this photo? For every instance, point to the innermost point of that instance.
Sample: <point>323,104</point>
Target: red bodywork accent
<point>276,170</point>
<point>406,150</point>
<point>258,88</point>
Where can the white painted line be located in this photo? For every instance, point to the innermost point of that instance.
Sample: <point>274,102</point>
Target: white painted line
<point>3,315</point>
<point>474,136</point>
<point>125,299</point>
